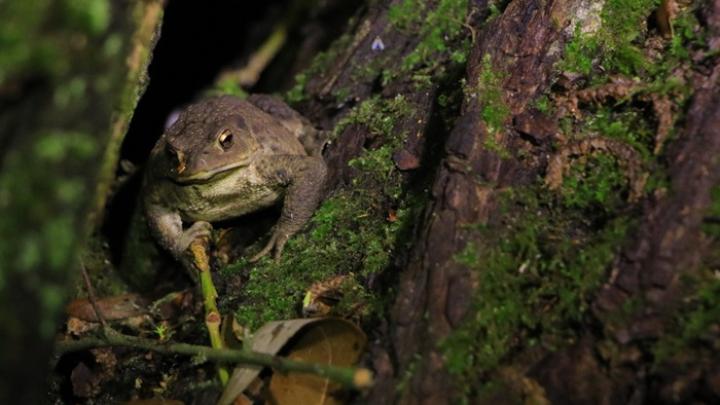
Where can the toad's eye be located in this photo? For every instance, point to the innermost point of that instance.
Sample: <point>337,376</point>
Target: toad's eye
<point>225,139</point>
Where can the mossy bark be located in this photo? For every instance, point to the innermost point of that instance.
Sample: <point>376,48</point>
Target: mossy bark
<point>70,75</point>
<point>519,288</point>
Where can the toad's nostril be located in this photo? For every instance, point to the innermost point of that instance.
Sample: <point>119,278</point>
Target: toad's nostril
<point>176,157</point>
<point>180,160</point>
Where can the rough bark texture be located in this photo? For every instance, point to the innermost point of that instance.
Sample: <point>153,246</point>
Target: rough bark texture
<point>436,291</point>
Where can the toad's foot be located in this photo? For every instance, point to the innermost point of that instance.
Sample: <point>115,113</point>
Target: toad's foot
<point>275,244</point>
<point>199,229</point>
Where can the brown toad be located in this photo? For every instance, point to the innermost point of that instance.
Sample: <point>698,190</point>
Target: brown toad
<point>225,157</point>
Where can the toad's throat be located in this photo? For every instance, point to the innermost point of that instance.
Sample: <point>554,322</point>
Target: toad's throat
<point>206,176</point>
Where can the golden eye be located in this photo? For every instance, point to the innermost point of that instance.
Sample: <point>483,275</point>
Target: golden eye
<point>225,139</point>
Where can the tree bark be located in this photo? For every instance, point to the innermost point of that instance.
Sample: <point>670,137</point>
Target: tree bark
<point>70,78</point>
<point>436,292</point>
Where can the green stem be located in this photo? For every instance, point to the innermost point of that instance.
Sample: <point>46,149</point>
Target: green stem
<point>349,377</point>
<point>209,293</point>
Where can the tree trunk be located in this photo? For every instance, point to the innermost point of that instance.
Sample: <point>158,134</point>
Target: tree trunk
<point>517,288</point>
<point>70,76</point>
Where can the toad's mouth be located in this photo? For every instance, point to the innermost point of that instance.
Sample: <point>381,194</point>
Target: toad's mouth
<point>205,176</point>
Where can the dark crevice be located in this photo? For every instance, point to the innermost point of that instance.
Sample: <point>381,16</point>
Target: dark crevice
<point>197,42</point>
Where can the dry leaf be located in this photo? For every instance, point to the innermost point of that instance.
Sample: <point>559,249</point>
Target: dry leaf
<point>329,342</point>
<point>323,295</point>
<point>112,308</point>
<point>326,336</point>
<point>78,327</point>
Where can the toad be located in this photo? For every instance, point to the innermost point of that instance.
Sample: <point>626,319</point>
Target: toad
<point>225,157</point>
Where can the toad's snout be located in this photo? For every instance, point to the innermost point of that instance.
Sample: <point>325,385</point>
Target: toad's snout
<point>177,157</point>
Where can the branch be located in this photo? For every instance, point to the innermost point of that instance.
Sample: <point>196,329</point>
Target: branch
<point>355,378</point>
<point>201,261</point>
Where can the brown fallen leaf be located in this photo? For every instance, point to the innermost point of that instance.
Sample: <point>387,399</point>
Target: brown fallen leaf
<point>112,308</point>
<point>324,337</point>
<point>173,305</point>
<point>323,295</point>
<point>329,342</point>
<point>242,400</point>
<point>78,327</point>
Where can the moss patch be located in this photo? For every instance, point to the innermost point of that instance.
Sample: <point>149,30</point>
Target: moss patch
<point>536,272</point>
<point>354,232</point>
<point>693,323</point>
<point>28,49</point>
<point>595,184</point>
<point>438,29</point>
<point>318,66</point>
<point>494,110</point>
<point>696,322</point>
<point>615,46</point>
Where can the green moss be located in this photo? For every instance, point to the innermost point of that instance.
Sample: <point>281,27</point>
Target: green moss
<point>22,23</point>
<point>408,373</point>
<point>354,232</point>
<point>58,47</point>
<point>596,183</point>
<point>693,322</point>
<point>686,35</point>
<point>612,50</point>
<point>58,146</point>
<point>227,86</point>
<point>544,105</point>
<point>297,93</point>
<point>494,110</point>
<point>711,226</point>
<point>440,30</point>
<point>317,67</point>
<point>45,204</point>
<point>27,47</point>
<point>405,14</point>
<point>623,24</point>
<point>497,7</point>
<point>91,16</point>
<point>378,115</point>
<point>616,46</point>
<point>580,53</point>
<point>536,272</point>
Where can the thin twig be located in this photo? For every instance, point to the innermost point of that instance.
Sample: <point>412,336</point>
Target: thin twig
<point>92,299</point>
<point>359,378</point>
<point>248,75</point>
<point>201,260</point>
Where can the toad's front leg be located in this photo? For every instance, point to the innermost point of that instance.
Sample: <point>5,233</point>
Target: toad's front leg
<point>304,179</point>
<point>168,231</point>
